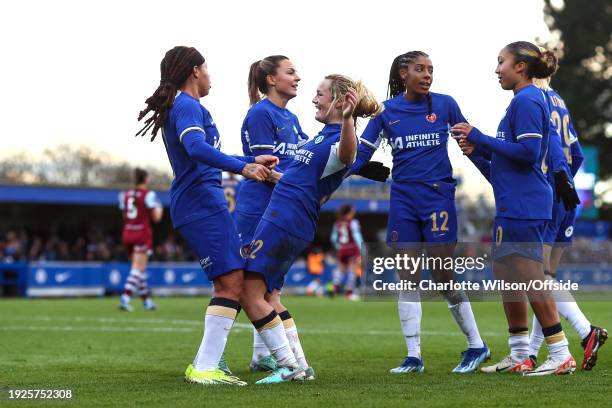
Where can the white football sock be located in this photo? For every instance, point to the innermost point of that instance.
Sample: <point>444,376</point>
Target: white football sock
<point>274,336</point>
<point>558,346</point>
<point>573,314</point>
<point>259,347</point>
<point>217,325</point>
<point>410,314</point>
<point>462,312</point>
<point>537,337</point>
<point>519,346</point>
<point>294,342</point>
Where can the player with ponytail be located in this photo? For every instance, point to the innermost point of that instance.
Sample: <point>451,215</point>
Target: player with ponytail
<point>517,161</point>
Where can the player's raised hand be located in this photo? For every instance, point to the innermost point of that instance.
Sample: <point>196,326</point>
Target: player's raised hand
<point>267,160</point>
<point>349,104</point>
<point>256,171</point>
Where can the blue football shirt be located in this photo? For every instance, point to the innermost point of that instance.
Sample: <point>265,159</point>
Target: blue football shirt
<point>196,190</point>
<point>521,190</point>
<point>315,173</point>
<point>418,140</point>
<point>267,129</point>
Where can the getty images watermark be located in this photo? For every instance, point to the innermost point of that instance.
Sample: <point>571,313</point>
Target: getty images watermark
<point>436,271</point>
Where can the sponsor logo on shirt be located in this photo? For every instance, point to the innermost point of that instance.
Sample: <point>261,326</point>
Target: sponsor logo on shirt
<point>431,118</point>
<point>414,141</point>
<point>304,156</point>
<point>285,148</point>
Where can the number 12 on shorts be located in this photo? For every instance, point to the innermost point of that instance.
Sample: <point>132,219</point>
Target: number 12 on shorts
<point>441,217</point>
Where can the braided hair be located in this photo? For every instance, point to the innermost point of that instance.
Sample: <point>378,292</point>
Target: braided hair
<point>176,67</point>
<point>396,84</point>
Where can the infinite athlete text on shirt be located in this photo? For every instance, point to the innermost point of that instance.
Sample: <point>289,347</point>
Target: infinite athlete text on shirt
<point>304,156</point>
<point>413,141</point>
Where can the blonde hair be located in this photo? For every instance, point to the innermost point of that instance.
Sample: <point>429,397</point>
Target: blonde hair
<point>367,105</point>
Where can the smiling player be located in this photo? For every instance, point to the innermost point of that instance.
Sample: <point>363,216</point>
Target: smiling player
<point>289,223</point>
<point>422,213</point>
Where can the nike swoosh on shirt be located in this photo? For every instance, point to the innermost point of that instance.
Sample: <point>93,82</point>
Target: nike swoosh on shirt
<point>393,122</point>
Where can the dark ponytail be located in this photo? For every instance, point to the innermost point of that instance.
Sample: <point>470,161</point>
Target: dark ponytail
<point>540,64</point>
<point>176,67</point>
<point>259,70</point>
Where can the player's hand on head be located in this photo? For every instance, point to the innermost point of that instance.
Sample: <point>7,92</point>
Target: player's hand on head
<point>267,160</point>
<point>349,104</point>
<point>256,171</point>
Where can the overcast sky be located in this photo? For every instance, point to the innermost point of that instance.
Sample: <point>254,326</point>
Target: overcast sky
<point>78,72</point>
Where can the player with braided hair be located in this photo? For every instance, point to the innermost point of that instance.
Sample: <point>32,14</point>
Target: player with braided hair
<point>422,212</point>
<point>198,208</point>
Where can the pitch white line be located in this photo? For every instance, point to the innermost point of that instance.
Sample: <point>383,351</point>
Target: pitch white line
<point>238,327</point>
<point>98,329</point>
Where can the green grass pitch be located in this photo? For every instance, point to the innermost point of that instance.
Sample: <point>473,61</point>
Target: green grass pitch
<point>109,358</point>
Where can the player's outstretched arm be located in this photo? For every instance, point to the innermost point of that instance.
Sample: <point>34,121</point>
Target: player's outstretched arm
<point>526,150</point>
<point>199,150</point>
<point>482,163</point>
